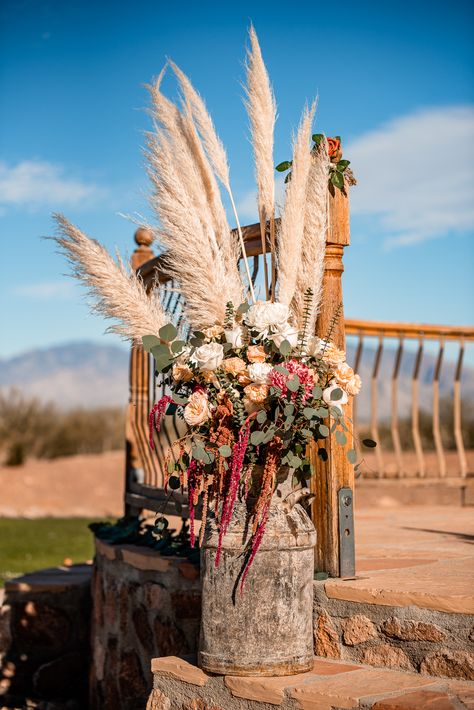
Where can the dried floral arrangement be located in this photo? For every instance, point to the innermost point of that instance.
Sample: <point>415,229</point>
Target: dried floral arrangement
<point>250,379</point>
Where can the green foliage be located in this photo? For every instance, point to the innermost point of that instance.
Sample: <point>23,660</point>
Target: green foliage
<point>168,332</point>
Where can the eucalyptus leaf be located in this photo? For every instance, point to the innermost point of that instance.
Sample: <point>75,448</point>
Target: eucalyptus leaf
<point>275,391</point>
<point>322,412</point>
<point>160,350</point>
<point>335,412</point>
<point>289,409</point>
<point>336,394</point>
<point>177,399</point>
<point>149,341</point>
<point>225,451</point>
<point>352,456</point>
<point>323,430</point>
<point>196,342</point>
<point>171,466</point>
<point>293,384</point>
<point>177,346</point>
<point>243,308</point>
<point>341,438</point>
<point>261,416</point>
<point>199,334</point>
<point>317,392</point>
<point>269,434</point>
<point>285,348</point>
<point>282,370</point>
<point>323,454</point>
<point>162,363</point>
<point>168,332</point>
<point>309,412</point>
<point>257,437</point>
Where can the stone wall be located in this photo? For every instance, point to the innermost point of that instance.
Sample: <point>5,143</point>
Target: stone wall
<point>408,638</point>
<point>44,639</point>
<point>144,605</point>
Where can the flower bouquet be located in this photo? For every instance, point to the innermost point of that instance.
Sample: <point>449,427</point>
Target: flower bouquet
<point>244,370</point>
<point>254,392</point>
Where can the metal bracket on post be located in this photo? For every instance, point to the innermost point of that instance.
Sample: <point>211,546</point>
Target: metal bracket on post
<point>346,532</point>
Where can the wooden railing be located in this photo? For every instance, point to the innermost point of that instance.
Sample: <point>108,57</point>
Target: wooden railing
<point>394,340</point>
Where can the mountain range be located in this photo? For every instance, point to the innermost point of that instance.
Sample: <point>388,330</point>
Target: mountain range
<point>88,374</point>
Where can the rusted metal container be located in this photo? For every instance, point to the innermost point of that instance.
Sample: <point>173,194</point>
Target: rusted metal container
<point>267,629</point>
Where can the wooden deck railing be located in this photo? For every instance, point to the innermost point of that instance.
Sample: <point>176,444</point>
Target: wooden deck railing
<point>394,339</point>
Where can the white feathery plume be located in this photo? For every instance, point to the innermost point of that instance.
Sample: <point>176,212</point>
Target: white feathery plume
<point>214,149</point>
<point>197,177</point>
<point>193,256</point>
<point>290,233</point>
<point>311,268</point>
<point>118,293</point>
<point>261,108</point>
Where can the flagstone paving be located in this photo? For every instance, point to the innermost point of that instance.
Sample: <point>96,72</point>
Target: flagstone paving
<point>331,684</point>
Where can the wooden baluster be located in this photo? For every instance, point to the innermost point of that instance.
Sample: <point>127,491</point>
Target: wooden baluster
<point>374,416</point>
<point>138,381</point>
<point>329,477</point>
<point>457,413</point>
<point>436,423</point>
<point>415,415</point>
<point>397,445</point>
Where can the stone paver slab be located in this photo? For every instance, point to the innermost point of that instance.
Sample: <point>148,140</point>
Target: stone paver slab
<point>145,559</point>
<point>348,689</point>
<point>174,667</point>
<point>443,586</point>
<point>105,549</point>
<point>419,700</point>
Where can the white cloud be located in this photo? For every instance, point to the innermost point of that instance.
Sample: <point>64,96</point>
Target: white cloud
<point>35,184</point>
<point>415,175</point>
<point>45,290</point>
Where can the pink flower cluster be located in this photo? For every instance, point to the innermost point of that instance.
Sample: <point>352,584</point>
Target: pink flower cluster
<point>306,376</point>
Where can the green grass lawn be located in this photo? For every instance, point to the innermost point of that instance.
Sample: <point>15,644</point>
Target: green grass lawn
<point>27,545</point>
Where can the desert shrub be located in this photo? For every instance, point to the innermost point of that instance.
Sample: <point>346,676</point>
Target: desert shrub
<point>31,428</point>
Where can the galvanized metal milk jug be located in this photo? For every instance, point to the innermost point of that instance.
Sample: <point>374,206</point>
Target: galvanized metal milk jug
<point>267,628</point>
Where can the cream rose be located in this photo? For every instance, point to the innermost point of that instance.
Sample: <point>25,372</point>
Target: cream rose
<point>208,357</point>
<point>354,385</point>
<point>314,346</point>
<point>256,353</point>
<point>259,372</point>
<point>335,402</point>
<point>267,317</point>
<point>197,411</point>
<point>332,355</point>
<point>236,336</point>
<point>234,366</point>
<point>287,333</point>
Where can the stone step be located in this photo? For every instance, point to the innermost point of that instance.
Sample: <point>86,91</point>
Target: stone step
<point>180,685</point>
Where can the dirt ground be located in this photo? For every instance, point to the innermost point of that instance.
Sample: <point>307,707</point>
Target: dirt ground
<point>92,485</point>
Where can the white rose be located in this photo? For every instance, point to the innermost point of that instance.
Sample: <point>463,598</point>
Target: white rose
<point>335,402</point>
<point>267,317</point>
<point>197,409</point>
<point>235,336</point>
<point>314,346</point>
<point>259,372</point>
<point>285,333</point>
<point>208,357</point>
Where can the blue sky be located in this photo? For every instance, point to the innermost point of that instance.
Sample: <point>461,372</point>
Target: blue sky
<point>395,80</point>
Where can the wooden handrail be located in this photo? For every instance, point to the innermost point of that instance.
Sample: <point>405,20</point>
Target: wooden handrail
<point>408,330</point>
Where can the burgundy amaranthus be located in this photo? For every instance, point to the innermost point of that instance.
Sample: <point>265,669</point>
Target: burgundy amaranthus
<point>155,417</point>
<point>238,455</point>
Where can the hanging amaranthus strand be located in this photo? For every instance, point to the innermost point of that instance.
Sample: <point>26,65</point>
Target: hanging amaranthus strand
<point>155,417</point>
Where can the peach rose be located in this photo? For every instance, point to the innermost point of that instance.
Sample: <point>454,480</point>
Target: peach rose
<point>234,366</point>
<point>197,409</point>
<point>256,393</point>
<point>333,356</point>
<point>334,149</point>
<point>249,406</point>
<point>347,379</point>
<point>256,353</point>
<point>181,372</point>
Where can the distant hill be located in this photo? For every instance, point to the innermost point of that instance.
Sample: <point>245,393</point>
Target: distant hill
<point>74,374</point>
<point>91,375</point>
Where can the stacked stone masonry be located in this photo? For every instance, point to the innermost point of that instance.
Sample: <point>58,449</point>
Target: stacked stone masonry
<point>402,637</point>
<point>144,605</point>
<point>331,685</point>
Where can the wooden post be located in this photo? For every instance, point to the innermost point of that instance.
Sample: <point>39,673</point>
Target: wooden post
<point>337,473</point>
<point>138,378</point>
